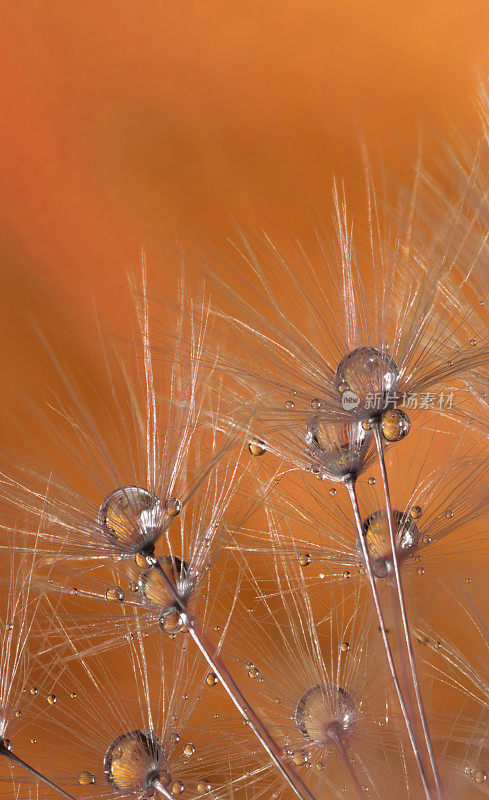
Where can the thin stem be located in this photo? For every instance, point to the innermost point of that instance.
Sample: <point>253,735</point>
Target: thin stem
<point>350,485</point>
<point>244,708</point>
<point>402,606</point>
<point>16,760</point>
<point>161,789</point>
<point>335,735</point>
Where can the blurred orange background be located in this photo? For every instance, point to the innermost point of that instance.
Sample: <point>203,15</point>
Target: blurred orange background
<point>131,124</point>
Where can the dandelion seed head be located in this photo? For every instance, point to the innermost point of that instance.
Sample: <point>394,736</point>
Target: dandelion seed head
<point>338,450</point>
<point>324,712</point>
<point>377,537</point>
<point>134,761</point>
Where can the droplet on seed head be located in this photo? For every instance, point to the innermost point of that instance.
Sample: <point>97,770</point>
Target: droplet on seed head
<point>338,449</point>
<point>134,761</point>
<point>377,539</point>
<point>131,518</point>
<point>153,588</point>
<point>323,708</point>
<point>86,778</point>
<point>257,447</point>
<point>367,373</point>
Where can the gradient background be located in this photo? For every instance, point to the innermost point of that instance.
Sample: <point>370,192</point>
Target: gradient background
<point>130,124</point>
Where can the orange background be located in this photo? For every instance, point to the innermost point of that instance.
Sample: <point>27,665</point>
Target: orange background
<point>130,124</point>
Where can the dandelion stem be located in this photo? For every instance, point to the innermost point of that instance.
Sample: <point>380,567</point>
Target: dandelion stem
<point>402,606</point>
<point>337,738</point>
<point>350,485</point>
<point>161,789</point>
<point>16,760</point>
<point>244,708</point>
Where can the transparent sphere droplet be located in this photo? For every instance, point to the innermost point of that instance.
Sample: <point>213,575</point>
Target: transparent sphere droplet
<point>420,571</point>
<point>473,342</point>
<point>332,492</point>
<point>189,749</point>
<point>345,646</point>
<point>394,425</point>
<point>323,706</point>
<point>52,699</point>
<point>131,516</point>
<point>18,714</point>
<point>257,447</point>
<point>299,757</point>
<point>155,591</point>
<point>449,514</point>
<point>416,512</point>
<point>7,744</point>
<point>304,559</point>
<point>177,787</point>
<point>366,373</point>
<point>316,403</point>
<point>33,690</point>
<point>337,449</point>
<point>114,595</point>
<point>253,672</point>
<point>133,761</point>
<point>73,695</point>
<point>366,425</point>
<point>173,506</point>
<point>203,786</point>
<point>377,539</point>
<point>371,481</point>
<point>289,405</point>
<point>211,679</point>
<point>86,778</point>
<point>479,776</point>
<point>171,621</point>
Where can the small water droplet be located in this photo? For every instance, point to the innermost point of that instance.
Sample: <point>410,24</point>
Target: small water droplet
<point>366,425</point>
<point>332,491</point>
<point>473,342</point>
<point>316,403</point>
<point>7,744</point>
<point>304,559</point>
<point>173,506</point>
<point>203,787</point>
<point>449,514</point>
<point>18,713</point>
<point>211,679</point>
<point>420,571</point>
<point>480,776</point>
<point>174,737</point>
<point>253,672</point>
<point>299,757</point>
<point>86,778</point>
<point>289,405</point>
<point>371,481</point>
<point>256,447</point>
<point>74,590</point>
<point>415,512</point>
<point>73,695</point>
<point>34,690</point>
<point>177,787</point>
<point>394,425</point>
<point>189,749</point>
<point>52,699</point>
<point>345,646</point>
<point>468,580</point>
<point>346,574</point>
<point>114,595</point>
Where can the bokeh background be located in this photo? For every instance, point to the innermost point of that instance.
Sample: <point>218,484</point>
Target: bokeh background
<point>129,125</point>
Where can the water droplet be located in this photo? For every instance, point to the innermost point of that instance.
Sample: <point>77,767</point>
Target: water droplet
<point>345,646</point>
<point>299,757</point>
<point>319,766</point>
<point>316,403</point>
<point>18,713</point>
<point>74,590</point>
<point>420,571</point>
<point>394,425</point>
<point>378,541</point>
<point>86,778</point>
<point>332,492</point>
<point>73,695</point>
<point>155,591</point>
<point>114,595</point>
<point>480,776</point>
<point>371,481</point>
<point>174,737</point>
<point>211,679</point>
<point>52,699</point>
<point>337,449</point>
<point>289,405</point>
<point>131,516</point>
<point>367,372</point>
<point>33,690</point>
<point>346,574</point>
<point>171,621</point>
<point>366,425</point>
<point>415,512</point>
<point>9,626</point>
<point>473,342</point>
<point>253,672</point>
<point>449,514</point>
<point>7,744</point>
<point>33,741</point>
<point>173,506</point>
<point>203,787</point>
<point>177,787</point>
<point>189,749</point>
<point>322,706</point>
<point>468,580</point>
<point>304,559</point>
<point>132,759</point>
<point>256,447</point>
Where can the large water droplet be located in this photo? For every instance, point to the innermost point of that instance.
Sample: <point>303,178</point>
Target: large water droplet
<point>211,679</point>
<point>394,425</point>
<point>256,447</point>
<point>323,706</point>
<point>114,595</point>
<point>52,699</point>
<point>133,761</point>
<point>370,375</point>
<point>155,591</point>
<point>131,517</point>
<point>86,778</point>
<point>337,449</point>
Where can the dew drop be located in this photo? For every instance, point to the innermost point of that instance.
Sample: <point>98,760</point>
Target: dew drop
<point>473,342</point>
<point>253,672</point>
<point>468,580</point>
<point>256,447</point>
<point>133,760</point>
<point>177,787</point>
<point>52,699</point>
<point>18,713</point>
<point>299,757</point>
<point>343,387</point>
<point>289,405</point>
<point>33,741</point>
<point>345,646</point>
<point>394,425</point>
<point>114,595</point>
<point>74,591</point>
<point>73,695</point>
<point>332,491</point>
<point>366,425</point>
<point>211,679</point>
<point>420,571</point>
<point>304,559</point>
<point>33,690</point>
<point>415,512</point>
<point>367,372</point>
<point>371,481</point>
<point>7,744</point>
<point>189,749</point>
<point>171,621</point>
<point>479,776</point>
<point>203,787</point>
<point>316,403</point>
<point>449,514</point>
<point>86,778</point>
<point>174,737</point>
<point>319,766</point>
<point>173,506</point>
<point>346,574</point>
<point>131,517</point>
